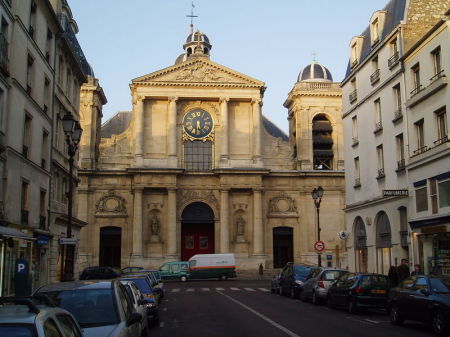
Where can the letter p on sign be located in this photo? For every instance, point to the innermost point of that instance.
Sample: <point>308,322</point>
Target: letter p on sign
<point>20,267</point>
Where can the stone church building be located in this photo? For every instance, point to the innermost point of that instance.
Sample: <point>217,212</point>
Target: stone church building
<point>195,167</point>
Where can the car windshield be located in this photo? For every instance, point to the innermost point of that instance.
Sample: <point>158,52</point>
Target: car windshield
<point>331,275</point>
<point>143,285</point>
<point>440,285</point>
<point>301,271</point>
<point>92,307</point>
<point>10,330</point>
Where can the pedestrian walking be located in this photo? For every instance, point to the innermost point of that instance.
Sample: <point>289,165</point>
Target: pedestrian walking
<point>403,270</point>
<point>392,277</point>
<point>261,271</point>
<point>417,270</point>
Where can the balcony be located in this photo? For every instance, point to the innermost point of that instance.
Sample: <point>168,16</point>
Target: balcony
<point>400,165</point>
<point>357,183</point>
<point>24,217</point>
<point>4,46</point>
<point>398,114</point>
<point>437,76</point>
<point>42,222</point>
<point>75,47</point>
<point>378,127</point>
<point>416,90</point>
<point>380,173</point>
<point>375,77</point>
<point>419,94</point>
<point>393,60</point>
<point>355,141</point>
<point>420,150</point>
<point>441,141</point>
<point>353,96</point>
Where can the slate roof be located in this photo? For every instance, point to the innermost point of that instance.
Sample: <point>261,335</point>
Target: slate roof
<point>274,130</point>
<point>395,11</point>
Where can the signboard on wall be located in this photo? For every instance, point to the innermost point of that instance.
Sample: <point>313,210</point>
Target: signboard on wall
<point>395,193</point>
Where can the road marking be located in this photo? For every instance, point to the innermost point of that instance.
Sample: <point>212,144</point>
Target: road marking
<point>372,321</point>
<point>249,289</point>
<point>235,289</point>
<point>165,309</point>
<point>264,290</point>
<point>220,289</point>
<point>359,320</point>
<point>176,290</point>
<point>161,324</point>
<point>205,289</point>
<point>268,320</point>
<point>190,289</point>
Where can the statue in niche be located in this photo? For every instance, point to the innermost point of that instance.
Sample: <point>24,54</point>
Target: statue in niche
<point>240,228</point>
<point>154,229</point>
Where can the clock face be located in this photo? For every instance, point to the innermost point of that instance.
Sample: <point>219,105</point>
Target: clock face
<point>198,123</point>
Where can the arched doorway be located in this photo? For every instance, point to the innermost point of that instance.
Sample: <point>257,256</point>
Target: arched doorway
<point>283,246</point>
<point>383,242</point>
<point>110,246</point>
<point>360,245</point>
<point>197,230</point>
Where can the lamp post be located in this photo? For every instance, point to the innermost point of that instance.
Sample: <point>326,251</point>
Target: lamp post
<point>72,130</point>
<point>317,194</point>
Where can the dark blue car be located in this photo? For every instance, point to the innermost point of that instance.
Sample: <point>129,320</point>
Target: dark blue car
<point>293,276</point>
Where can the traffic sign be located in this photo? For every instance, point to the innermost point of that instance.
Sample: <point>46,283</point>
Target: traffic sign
<point>319,246</point>
<point>67,241</point>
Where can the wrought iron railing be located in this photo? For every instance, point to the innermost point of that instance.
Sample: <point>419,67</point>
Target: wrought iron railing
<point>441,140</point>
<point>378,127</point>
<point>381,173</point>
<point>353,96</point>
<point>393,60</point>
<point>437,76</point>
<point>401,164</point>
<point>397,114</point>
<point>420,150</point>
<point>357,182</point>
<point>375,77</point>
<point>417,89</point>
<point>355,141</point>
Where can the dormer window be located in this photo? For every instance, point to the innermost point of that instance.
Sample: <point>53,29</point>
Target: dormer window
<point>376,27</point>
<point>375,32</point>
<point>355,50</point>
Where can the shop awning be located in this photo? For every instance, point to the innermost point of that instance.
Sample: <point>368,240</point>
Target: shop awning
<point>14,233</point>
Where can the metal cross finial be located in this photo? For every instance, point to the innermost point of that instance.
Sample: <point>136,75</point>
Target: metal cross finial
<point>314,54</point>
<point>192,16</point>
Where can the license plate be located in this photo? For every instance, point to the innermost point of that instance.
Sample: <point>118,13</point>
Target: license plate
<point>378,291</point>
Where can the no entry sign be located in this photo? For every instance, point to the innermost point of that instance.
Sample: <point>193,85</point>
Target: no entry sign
<point>319,246</point>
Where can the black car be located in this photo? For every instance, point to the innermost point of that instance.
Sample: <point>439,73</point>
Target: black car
<point>100,273</point>
<point>356,291</point>
<point>422,298</point>
<point>293,276</point>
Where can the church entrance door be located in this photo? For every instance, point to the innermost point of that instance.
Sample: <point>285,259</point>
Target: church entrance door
<point>283,246</point>
<point>110,247</point>
<point>197,230</point>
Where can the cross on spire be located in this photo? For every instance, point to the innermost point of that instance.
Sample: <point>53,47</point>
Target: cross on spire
<point>192,16</point>
<point>314,54</point>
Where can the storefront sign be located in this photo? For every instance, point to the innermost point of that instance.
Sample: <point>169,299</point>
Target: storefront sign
<point>22,281</point>
<point>395,193</point>
<point>42,240</point>
<point>68,241</point>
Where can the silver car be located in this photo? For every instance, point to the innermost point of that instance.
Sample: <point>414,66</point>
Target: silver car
<point>102,308</point>
<point>139,304</point>
<point>316,288</point>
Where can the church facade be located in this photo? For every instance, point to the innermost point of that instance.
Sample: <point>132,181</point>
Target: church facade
<point>196,168</point>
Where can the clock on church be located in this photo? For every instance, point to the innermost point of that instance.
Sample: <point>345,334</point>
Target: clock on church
<point>198,124</point>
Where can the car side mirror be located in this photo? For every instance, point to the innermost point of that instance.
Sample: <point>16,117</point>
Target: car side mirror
<point>425,292</point>
<point>134,318</point>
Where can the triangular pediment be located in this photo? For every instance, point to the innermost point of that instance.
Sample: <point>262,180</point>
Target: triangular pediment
<point>198,71</point>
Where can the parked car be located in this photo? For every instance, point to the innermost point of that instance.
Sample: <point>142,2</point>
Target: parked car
<point>275,283</point>
<point>178,270</point>
<point>128,270</point>
<point>102,308</point>
<point>422,298</point>
<point>155,279</point>
<point>316,288</point>
<point>25,318</point>
<point>356,291</point>
<point>100,273</point>
<point>148,294</point>
<point>139,304</point>
<point>293,276</point>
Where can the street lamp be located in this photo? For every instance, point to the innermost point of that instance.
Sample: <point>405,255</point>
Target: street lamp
<point>72,130</point>
<point>317,194</point>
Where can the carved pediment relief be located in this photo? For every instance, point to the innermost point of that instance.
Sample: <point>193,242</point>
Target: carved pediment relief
<point>111,205</point>
<point>283,206</point>
<point>198,71</point>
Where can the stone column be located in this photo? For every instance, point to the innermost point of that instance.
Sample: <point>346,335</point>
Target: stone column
<point>139,131</point>
<point>224,222</point>
<point>258,233</point>
<point>172,222</point>
<point>256,112</point>
<point>137,222</point>
<point>224,127</point>
<point>172,123</point>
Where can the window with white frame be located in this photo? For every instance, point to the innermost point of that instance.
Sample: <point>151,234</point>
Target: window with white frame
<point>421,198</point>
<point>30,73</point>
<point>357,171</point>
<point>375,31</point>
<point>378,123</point>
<point>48,45</point>
<point>397,97</point>
<point>400,151</point>
<point>380,160</point>
<point>441,123</point>
<point>353,55</point>
<point>416,79</point>
<point>26,141</point>
<point>444,193</point>
<point>354,129</point>
<point>420,137</point>
<point>437,67</point>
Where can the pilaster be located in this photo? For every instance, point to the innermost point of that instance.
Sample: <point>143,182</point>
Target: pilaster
<point>139,131</point>
<point>172,222</point>
<point>258,232</point>
<point>256,117</point>
<point>224,157</point>
<point>137,222</point>
<point>224,222</point>
<point>172,125</point>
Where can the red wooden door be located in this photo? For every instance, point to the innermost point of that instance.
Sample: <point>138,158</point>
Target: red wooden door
<point>196,239</point>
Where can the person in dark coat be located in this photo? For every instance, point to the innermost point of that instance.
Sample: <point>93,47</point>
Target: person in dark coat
<point>260,271</point>
<point>392,277</point>
<point>403,270</point>
<point>417,270</point>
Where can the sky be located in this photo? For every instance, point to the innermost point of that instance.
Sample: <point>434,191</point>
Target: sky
<point>271,41</point>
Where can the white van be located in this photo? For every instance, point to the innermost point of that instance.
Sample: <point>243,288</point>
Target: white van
<point>204,266</point>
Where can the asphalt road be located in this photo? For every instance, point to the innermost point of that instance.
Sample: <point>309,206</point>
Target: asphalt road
<point>248,308</point>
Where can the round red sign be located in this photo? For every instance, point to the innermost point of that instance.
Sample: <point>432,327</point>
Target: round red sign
<point>319,246</point>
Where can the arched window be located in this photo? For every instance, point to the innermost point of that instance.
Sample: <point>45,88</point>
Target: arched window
<point>322,132</point>
<point>383,242</point>
<point>360,245</point>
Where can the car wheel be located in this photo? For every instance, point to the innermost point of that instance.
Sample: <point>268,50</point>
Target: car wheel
<point>438,323</point>
<point>394,314</point>
<point>183,278</point>
<point>223,277</point>
<point>314,299</point>
<point>352,306</point>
